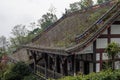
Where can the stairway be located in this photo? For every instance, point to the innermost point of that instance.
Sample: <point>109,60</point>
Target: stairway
<point>99,26</point>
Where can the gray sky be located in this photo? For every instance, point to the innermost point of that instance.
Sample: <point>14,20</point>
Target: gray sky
<point>13,12</point>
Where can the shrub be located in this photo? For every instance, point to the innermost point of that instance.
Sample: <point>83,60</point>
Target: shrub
<point>30,77</point>
<point>103,75</point>
<point>17,71</point>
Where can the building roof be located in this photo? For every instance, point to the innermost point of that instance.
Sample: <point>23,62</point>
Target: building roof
<point>61,37</point>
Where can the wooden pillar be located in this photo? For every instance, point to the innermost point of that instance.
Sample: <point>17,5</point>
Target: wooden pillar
<point>62,65</point>
<point>94,56</point>
<point>58,65</point>
<point>46,64</point>
<point>109,32</point>
<point>55,65</point>
<point>74,65</point>
<point>45,70</point>
<point>100,61</point>
<point>34,58</point>
<point>28,53</point>
<point>66,67</point>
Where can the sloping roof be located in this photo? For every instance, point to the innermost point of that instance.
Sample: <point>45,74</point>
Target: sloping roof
<point>63,32</point>
<point>60,37</point>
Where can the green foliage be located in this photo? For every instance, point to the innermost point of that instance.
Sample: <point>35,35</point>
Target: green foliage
<point>75,6</point>
<point>103,75</point>
<point>30,77</point>
<point>87,3</point>
<point>112,49</point>
<point>102,1</point>
<point>17,71</point>
<point>96,15</point>
<point>80,5</point>
<point>46,20</point>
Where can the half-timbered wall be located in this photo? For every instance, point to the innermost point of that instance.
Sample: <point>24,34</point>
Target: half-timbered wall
<point>115,29</point>
<point>88,49</point>
<point>109,35</point>
<point>101,43</point>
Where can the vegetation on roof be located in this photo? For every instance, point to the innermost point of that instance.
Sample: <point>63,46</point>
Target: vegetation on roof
<point>64,33</point>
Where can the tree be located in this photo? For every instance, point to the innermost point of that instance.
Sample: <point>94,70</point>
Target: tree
<point>80,5</point>
<point>46,20</point>
<point>87,3</point>
<point>100,1</point>
<point>17,71</point>
<point>3,44</point>
<point>112,50</point>
<point>19,32</point>
<point>75,6</point>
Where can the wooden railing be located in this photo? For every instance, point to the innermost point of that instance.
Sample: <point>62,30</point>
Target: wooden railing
<point>49,73</point>
<point>98,24</point>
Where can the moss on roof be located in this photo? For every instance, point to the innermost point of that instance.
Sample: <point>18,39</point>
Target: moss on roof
<point>64,32</point>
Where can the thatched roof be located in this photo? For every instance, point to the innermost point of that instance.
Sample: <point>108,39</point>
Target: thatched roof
<point>63,32</point>
<point>60,37</point>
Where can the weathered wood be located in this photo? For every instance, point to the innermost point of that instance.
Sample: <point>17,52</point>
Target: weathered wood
<point>94,56</point>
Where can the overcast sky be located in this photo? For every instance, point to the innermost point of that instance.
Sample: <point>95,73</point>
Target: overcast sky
<point>13,12</point>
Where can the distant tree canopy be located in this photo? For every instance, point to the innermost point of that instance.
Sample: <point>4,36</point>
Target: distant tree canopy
<point>19,32</point>
<point>102,1</point>
<point>3,44</point>
<point>81,4</point>
<point>47,19</point>
<point>22,35</point>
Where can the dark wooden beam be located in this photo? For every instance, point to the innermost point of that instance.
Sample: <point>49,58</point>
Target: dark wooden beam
<point>109,34</point>
<point>116,23</point>
<point>94,56</point>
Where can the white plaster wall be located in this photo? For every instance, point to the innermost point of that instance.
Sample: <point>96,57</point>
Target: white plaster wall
<point>98,67</point>
<point>104,56</point>
<point>115,29</point>
<point>91,67</point>
<point>117,40</point>
<point>97,56</point>
<point>117,65</point>
<point>88,49</point>
<point>101,43</point>
<point>105,32</point>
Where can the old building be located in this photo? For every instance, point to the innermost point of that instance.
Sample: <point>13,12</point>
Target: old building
<point>75,43</point>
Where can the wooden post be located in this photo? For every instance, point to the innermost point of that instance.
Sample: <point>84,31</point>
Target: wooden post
<point>46,64</point>
<point>34,57</point>
<point>94,56</point>
<point>55,64</point>
<point>45,69</point>
<point>58,65</point>
<point>28,54</point>
<point>49,62</point>
<point>74,65</point>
